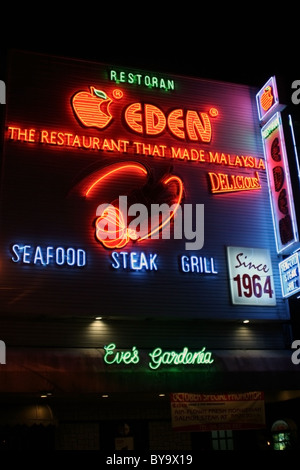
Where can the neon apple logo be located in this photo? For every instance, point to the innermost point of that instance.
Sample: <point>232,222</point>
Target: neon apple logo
<point>266,99</point>
<point>93,108</point>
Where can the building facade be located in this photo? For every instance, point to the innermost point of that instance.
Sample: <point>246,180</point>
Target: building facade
<point>144,218</point>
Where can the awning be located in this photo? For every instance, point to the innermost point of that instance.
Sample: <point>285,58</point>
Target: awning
<point>63,371</point>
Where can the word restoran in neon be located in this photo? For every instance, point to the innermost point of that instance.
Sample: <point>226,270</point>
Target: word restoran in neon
<point>157,357</point>
<point>149,81</point>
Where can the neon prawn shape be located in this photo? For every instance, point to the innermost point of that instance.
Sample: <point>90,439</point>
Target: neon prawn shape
<point>112,215</point>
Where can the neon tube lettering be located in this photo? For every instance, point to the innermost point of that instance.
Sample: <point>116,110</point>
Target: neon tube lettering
<point>117,357</point>
<point>150,119</point>
<point>158,357</point>
<point>45,256</point>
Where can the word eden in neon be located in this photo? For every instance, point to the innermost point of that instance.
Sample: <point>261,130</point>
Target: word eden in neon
<point>158,357</point>
<point>149,81</point>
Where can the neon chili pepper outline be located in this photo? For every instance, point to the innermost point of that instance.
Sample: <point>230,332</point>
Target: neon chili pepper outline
<point>177,204</point>
<point>116,216</point>
<point>110,172</point>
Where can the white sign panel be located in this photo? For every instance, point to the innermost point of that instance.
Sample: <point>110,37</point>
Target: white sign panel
<point>281,194</point>
<point>251,276</point>
<point>289,270</point>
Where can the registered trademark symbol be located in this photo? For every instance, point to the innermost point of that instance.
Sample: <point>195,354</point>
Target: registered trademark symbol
<point>117,94</point>
<point>213,112</point>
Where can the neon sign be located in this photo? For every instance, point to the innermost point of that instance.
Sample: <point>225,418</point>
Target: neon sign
<point>134,261</point>
<point>92,109</point>
<point>198,264</point>
<point>111,225</point>
<point>225,183</point>
<point>48,255</point>
<point>63,139</point>
<point>283,210</point>
<point>289,270</point>
<point>149,119</point>
<point>158,357</point>
<point>149,81</point>
<point>267,99</point>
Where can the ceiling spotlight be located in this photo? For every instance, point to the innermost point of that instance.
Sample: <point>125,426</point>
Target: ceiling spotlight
<point>46,394</point>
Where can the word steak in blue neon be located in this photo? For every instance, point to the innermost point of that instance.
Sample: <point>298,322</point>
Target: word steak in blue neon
<point>48,255</point>
<point>134,261</point>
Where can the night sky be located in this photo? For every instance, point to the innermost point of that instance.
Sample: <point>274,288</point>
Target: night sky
<point>241,49</point>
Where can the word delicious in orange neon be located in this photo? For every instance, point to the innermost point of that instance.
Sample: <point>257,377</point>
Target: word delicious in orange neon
<point>225,183</point>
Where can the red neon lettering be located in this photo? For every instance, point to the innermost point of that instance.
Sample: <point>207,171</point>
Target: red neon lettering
<point>26,135</point>
<point>197,128</point>
<point>224,183</point>
<point>151,120</point>
<point>134,118</point>
<point>176,124</point>
<point>155,121</point>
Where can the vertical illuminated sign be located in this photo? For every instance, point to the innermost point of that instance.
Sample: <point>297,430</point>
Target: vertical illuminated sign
<point>289,270</point>
<point>283,211</point>
<point>267,99</point>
